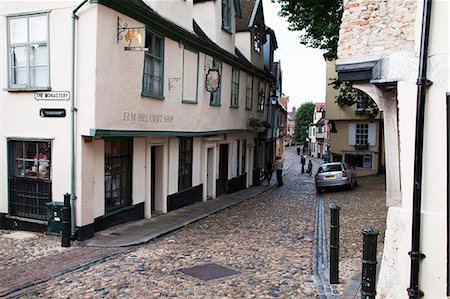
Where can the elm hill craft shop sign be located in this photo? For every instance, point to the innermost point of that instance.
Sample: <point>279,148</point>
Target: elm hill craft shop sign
<point>146,118</point>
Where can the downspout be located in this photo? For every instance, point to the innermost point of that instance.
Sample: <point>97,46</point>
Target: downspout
<point>422,83</point>
<point>72,124</point>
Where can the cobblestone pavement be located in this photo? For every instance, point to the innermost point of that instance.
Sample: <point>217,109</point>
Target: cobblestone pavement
<point>267,239</point>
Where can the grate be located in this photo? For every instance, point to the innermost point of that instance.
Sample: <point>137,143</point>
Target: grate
<point>209,271</point>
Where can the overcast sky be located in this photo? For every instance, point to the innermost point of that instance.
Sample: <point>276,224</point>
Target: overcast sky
<point>303,68</point>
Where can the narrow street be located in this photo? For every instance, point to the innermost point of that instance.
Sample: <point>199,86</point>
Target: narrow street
<point>268,240</point>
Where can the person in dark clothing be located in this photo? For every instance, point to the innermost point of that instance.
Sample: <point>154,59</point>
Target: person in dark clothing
<point>303,162</point>
<point>310,167</point>
<point>279,168</point>
<point>298,150</point>
<point>269,171</point>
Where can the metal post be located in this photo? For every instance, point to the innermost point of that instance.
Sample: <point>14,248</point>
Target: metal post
<point>66,225</point>
<point>334,244</point>
<point>369,263</point>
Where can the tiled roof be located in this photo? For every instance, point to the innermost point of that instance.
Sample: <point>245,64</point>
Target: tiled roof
<point>247,7</point>
<point>320,106</point>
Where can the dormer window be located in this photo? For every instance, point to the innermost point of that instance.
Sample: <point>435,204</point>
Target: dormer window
<point>226,15</point>
<point>257,38</point>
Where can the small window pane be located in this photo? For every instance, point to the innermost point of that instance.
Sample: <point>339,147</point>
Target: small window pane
<point>38,55</point>
<point>18,30</point>
<point>39,76</point>
<point>19,56</point>
<point>38,29</point>
<point>19,76</point>
<point>158,43</point>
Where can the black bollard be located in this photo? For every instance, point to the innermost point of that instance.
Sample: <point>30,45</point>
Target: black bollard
<point>369,263</point>
<point>65,217</point>
<point>334,244</point>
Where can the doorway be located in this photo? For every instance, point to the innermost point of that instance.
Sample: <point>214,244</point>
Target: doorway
<point>210,173</point>
<point>156,180</point>
<point>223,169</point>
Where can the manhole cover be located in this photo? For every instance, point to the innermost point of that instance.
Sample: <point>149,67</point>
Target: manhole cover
<point>209,271</point>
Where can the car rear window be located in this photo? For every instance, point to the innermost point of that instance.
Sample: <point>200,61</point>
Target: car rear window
<point>328,168</point>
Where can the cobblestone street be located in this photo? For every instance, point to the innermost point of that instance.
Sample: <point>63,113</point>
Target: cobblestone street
<point>268,240</point>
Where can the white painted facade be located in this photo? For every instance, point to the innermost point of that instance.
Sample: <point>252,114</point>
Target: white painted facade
<point>109,105</point>
<point>402,67</point>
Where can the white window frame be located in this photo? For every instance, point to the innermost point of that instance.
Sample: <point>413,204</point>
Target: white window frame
<point>362,134</point>
<point>28,45</point>
<point>235,74</point>
<point>261,96</point>
<point>226,15</point>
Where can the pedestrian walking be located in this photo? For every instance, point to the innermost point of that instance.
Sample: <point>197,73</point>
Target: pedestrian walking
<point>298,150</point>
<point>269,171</point>
<point>303,162</point>
<point>310,167</point>
<point>279,169</point>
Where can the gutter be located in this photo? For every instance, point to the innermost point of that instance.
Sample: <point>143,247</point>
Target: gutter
<point>422,84</point>
<point>72,124</point>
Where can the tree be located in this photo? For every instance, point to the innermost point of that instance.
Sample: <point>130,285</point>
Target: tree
<point>303,117</point>
<point>317,20</point>
<point>320,21</point>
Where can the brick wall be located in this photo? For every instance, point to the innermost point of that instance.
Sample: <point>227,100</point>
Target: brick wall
<point>377,27</point>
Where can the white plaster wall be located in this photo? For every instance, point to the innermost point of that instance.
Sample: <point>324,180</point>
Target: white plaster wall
<point>118,89</point>
<point>138,183</point>
<point>243,44</point>
<point>208,16</point>
<point>178,11</point>
<point>433,242</point>
<point>19,116</point>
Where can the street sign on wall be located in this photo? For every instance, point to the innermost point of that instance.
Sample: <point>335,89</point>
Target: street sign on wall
<point>52,95</point>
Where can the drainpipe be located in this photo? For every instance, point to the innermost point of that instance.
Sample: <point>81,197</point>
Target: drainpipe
<point>422,83</point>
<point>72,123</point>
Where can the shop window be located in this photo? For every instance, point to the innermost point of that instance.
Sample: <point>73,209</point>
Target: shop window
<point>28,52</point>
<point>359,160</point>
<point>118,170</point>
<point>185,163</point>
<point>29,178</point>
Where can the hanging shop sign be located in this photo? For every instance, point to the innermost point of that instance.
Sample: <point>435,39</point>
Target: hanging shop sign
<point>52,112</point>
<point>52,96</point>
<point>212,80</point>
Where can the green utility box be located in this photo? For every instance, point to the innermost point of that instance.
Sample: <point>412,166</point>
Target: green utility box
<point>54,217</point>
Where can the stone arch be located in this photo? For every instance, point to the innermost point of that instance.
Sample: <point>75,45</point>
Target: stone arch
<point>386,99</point>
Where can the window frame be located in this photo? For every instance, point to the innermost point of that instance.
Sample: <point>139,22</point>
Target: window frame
<point>150,56</point>
<point>195,51</point>
<point>226,16</point>
<point>215,97</point>
<point>261,96</point>
<point>361,134</point>
<point>257,42</point>
<point>185,151</point>
<point>27,45</point>
<point>249,93</point>
<point>235,77</point>
<point>126,196</point>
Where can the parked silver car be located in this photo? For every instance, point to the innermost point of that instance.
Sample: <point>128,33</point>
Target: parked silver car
<point>334,175</point>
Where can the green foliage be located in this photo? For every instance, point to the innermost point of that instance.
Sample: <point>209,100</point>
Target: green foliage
<point>348,96</point>
<point>318,20</point>
<point>303,117</point>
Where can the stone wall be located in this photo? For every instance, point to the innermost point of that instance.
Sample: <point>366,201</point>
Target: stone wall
<point>377,27</point>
